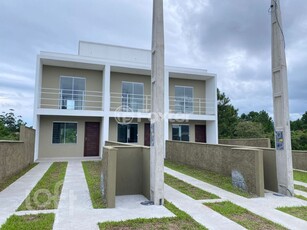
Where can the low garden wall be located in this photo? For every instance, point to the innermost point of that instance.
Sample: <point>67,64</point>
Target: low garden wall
<point>17,155</point>
<point>125,171</point>
<point>253,142</point>
<point>241,163</point>
<point>299,160</point>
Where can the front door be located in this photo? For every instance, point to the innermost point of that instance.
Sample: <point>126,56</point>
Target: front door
<point>200,133</point>
<point>91,139</point>
<point>147,134</point>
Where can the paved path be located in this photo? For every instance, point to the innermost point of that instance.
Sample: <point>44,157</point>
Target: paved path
<point>202,214</point>
<point>75,208</point>
<point>264,206</point>
<point>14,195</point>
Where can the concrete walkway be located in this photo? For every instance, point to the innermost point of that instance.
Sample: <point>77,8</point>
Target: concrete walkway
<point>75,209</point>
<point>14,195</point>
<point>265,207</point>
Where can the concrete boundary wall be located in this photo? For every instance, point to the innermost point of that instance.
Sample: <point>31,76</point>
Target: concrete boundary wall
<point>299,160</point>
<point>16,155</point>
<point>222,159</point>
<point>125,171</point>
<point>252,142</point>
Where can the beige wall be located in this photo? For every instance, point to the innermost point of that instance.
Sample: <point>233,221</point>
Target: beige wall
<point>222,159</point>
<point>113,130</point>
<point>199,91</point>
<point>125,171</point>
<point>51,79</point>
<point>253,142</point>
<point>191,125</point>
<point>299,159</point>
<point>49,150</point>
<point>16,155</point>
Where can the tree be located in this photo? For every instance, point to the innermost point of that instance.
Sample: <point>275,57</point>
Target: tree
<point>10,125</point>
<point>261,117</point>
<point>227,116</point>
<point>249,129</point>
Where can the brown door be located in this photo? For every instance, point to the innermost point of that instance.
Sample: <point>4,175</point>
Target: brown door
<point>91,139</point>
<point>200,133</point>
<point>147,134</point>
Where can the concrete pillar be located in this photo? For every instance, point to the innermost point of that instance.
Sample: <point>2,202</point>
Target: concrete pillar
<point>157,148</point>
<point>106,103</point>
<point>281,104</point>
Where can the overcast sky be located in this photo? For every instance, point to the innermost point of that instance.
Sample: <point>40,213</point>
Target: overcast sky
<point>231,38</point>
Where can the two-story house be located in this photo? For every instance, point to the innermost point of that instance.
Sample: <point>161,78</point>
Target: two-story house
<point>104,94</point>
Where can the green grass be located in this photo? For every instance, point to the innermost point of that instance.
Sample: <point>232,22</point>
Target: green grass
<point>301,197</point>
<point>29,222</point>
<point>213,178</point>
<point>188,189</point>
<point>46,193</point>
<point>300,187</point>
<point>300,176</point>
<point>92,171</point>
<point>300,212</point>
<point>6,183</point>
<point>181,221</point>
<point>242,216</point>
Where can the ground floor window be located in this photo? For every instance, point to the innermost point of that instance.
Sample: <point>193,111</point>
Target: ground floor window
<point>127,133</point>
<point>181,132</point>
<point>64,132</point>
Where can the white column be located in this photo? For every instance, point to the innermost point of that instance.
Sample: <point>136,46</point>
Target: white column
<point>37,132</point>
<point>106,102</point>
<point>166,106</point>
<point>211,98</point>
<point>281,105</point>
<point>157,107</point>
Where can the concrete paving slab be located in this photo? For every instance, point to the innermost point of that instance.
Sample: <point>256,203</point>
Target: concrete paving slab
<point>75,209</point>
<point>263,206</point>
<point>199,212</point>
<point>14,195</point>
<point>300,183</point>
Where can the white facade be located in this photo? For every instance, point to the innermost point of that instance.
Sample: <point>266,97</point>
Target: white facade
<point>101,105</point>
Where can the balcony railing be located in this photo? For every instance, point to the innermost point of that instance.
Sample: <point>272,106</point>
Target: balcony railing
<point>52,98</point>
<point>198,106</point>
<point>122,102</point>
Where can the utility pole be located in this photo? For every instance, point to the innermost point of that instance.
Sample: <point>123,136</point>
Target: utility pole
<point>157,106</point>
<point>281,104</point>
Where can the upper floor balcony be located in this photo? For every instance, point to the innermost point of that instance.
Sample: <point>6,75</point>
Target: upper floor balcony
<point>189,105</point>
<point>52,98</point>
<point>125,102</point>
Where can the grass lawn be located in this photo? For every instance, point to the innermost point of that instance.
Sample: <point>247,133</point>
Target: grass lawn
<point>242,216</point>
<point>181,221</point>
<point>12,179</point>
<point>301,197</point>
<point>300,187</point>
<point>92,171</point>
<point>29,222</point>
<point>300,176</point>
<point>213,178</point>
<point>46,193</point>
<point>300,212</point>
<point>188,189</point>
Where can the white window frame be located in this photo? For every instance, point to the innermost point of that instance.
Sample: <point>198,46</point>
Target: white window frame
<point>70,122</point>
<point>184,108</point>
<point>133,83</point>
<point>137,136</point>
<point>84,93</point>
<point>180,125</point>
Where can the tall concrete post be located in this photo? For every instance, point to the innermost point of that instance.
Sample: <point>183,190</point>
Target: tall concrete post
<point>157,106</point>
<point>281,104</point>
